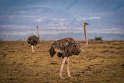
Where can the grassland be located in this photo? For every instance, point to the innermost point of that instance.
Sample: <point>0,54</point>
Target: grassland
<point>103,63</point>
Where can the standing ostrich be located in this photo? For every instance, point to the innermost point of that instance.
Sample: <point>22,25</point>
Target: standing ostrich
<point>67,47</point>
<point>59,46</point>
<point>33,40</point>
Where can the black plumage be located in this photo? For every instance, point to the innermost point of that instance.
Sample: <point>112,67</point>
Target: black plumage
<point>60,46</point>
<point>33,40</point>
<point>66,47</point>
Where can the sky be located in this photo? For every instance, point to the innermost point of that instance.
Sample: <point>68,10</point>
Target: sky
<point>58,19</point>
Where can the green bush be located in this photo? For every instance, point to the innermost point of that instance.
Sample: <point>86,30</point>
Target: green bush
<point>98,38</point>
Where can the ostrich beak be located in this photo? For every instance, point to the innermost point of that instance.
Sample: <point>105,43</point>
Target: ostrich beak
<point>85,23</point>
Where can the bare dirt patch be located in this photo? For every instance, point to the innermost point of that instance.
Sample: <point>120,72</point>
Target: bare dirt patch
<point>103,63</point>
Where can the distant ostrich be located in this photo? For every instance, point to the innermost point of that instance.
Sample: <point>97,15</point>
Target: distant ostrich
<point>33,40</point>
<point>67,47</point>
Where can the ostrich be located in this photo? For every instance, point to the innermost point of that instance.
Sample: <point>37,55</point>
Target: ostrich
<point>33,40</point>
<point>64,48</point>
<point>59,46</point>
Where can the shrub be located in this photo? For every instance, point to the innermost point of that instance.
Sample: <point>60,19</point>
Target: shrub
<point>98,38</point>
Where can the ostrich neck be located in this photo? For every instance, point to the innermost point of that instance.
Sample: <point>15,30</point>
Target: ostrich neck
<point>86,40</point>
<point>38,33</point>
<point>85,33</point>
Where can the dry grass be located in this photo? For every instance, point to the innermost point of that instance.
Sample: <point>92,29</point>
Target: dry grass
<point>104,63</point>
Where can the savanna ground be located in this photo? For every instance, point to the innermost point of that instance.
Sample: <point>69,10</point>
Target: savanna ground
<point>103,63</point>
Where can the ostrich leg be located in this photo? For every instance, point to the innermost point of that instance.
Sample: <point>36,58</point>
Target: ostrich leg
<point>32,48</point>
<point>68,71</point>
<point>61,69</point>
